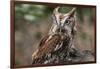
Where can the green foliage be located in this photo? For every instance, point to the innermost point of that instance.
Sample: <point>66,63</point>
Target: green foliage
<point>31,12</point>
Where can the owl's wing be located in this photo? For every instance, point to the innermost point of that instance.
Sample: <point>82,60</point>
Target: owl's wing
<point>43,40</point>
<point>48,47</point>
<point>41,44</point>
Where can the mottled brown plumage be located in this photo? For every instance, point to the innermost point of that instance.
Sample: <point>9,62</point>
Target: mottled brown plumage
<point>59,39</point>
<point>47,46</point>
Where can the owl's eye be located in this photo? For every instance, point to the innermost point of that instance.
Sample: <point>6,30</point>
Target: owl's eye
<point>67,21</point>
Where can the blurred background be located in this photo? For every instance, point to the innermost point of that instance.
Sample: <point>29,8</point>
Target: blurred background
<point>32,22</point>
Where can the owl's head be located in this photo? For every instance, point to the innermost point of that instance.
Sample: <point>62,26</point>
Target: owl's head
<point>63,22</point>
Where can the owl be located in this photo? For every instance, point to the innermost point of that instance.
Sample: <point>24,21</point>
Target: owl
<point>55,46</point>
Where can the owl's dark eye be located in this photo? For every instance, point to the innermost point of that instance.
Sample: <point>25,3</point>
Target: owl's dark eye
<point>67,21</point>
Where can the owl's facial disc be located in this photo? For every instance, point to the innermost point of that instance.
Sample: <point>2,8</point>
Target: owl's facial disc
<point>63,22</point>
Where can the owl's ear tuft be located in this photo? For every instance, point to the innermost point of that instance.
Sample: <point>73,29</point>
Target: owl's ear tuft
<point>72,12</point>
<point>56,10</point>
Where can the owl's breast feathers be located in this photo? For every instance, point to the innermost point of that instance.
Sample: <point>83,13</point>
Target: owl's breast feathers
<point>47,45</point>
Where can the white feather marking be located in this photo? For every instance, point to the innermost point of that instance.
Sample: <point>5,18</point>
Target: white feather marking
<point>34,55</point>
<point>58,47</point>
<point>49,38</point>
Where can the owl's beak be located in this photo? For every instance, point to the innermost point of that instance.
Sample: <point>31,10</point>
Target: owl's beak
<point>60,28</point>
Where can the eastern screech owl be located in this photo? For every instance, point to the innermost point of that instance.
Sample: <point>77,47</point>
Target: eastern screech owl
<point>57,43</point>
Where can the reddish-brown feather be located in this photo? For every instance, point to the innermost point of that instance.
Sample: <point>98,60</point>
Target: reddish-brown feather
<point>43,40</point>
<point>48,46</point>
